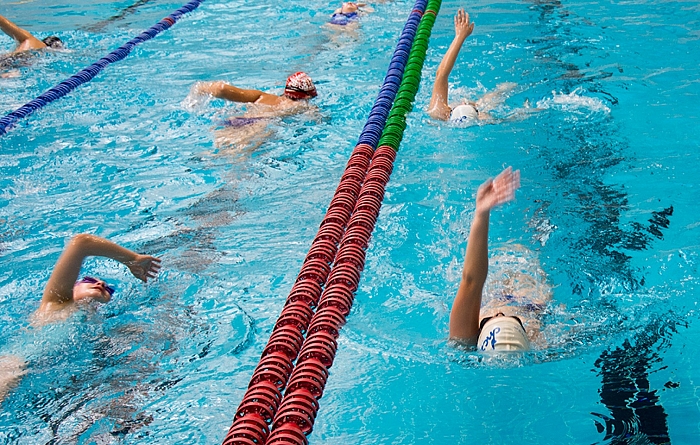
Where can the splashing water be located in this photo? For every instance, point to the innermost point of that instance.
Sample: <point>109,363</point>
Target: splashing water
<point>574,102</point>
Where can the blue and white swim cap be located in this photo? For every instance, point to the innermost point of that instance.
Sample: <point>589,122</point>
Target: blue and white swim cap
<point>502,334</point>
<point>463,113</point>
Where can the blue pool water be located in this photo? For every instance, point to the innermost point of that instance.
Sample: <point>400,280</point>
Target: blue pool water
<point>609,205</point>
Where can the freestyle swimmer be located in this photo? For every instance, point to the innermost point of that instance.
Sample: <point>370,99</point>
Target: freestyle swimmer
<point>298,87</point>
<point>349,13</point>
<point>65,292</point>
<point>25,40</point>
<point>250,130</point>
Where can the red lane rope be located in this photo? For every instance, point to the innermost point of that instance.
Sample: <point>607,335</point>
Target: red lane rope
<point>297,412</point>
<point>261,400</point>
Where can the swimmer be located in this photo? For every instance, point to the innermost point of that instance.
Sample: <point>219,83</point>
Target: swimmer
<point>465,111</point>
<point>251,129</point>
<point>26,41</point>
<point>65,293</point>
<point>349,13</point>
<point>508,322</point>
<point>299,87</point>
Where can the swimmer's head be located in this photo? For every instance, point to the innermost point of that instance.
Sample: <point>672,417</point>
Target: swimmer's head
<point>89,288</point>
<point>502,333</point>
<point>299,86</point>
<point>53,42</point>
<point>349,7</point>
<point>463,113</point>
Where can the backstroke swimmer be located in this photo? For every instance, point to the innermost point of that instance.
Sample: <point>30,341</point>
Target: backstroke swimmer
<point>251,128</point>
<point>466,111</point>
<point>509,321</point>
<point>64,293</point>
<point>343,25</point>
<point>349,13</point>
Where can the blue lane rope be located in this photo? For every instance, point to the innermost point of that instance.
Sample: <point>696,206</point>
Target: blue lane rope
<point>87,74</point>
<point>380,110</point>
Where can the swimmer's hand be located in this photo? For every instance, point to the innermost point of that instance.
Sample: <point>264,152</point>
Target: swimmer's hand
<point>200,95</point>
<point>463,27</point>
<point>144,267</point>
<point>498,191</point>
<point>210,88</point>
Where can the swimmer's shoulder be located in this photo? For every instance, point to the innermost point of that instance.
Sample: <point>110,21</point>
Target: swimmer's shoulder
<point>29,44</point>
<point>273,100</point>
<point>279,107</point>
<point>52,312</point>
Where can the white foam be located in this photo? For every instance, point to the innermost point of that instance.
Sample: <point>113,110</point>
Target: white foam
<point>574,102</point>
<point>196,101</point>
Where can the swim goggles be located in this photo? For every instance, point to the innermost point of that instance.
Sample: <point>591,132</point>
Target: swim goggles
<point>293,89</point>
<point>500,314</point>
<point>86,279</point>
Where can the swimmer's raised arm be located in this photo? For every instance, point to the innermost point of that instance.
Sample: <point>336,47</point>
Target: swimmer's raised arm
<point>59,289</point>
<point>439,107</point>
<point>25,40</point>
<point>222,90</point>
<point>464,317</point>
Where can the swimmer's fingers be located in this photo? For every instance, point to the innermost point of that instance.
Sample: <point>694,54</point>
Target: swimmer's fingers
<point>462,24</point>
<point>154,267</point>
<point>506,183</point>
<point>144,267</point>
<point>498,191</point>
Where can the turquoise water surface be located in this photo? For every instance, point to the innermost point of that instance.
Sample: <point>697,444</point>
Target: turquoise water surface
<point>609,206</point>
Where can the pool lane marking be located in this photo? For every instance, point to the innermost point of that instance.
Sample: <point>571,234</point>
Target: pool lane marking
<point>294,418</point>
<point>87,74</point>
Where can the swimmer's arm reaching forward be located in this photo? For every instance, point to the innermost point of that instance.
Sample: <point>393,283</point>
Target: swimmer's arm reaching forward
<point>25,40</point>
<point>439,107</point>
<point>464,317</point>
<point>59,289</point>
<point>222,90</point>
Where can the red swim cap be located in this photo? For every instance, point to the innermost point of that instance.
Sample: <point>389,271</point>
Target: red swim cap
<point>299,86</point>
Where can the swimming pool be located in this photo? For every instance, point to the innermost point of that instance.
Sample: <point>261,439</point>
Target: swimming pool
<point>614,149</point>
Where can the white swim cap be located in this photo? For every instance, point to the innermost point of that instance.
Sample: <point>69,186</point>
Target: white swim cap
<point>464,112</point>
<point>502,334</point>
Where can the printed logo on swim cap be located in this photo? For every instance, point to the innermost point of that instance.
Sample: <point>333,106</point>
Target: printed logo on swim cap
<point>464,112</point>
<point>300,86</point>
<point>502,334</point>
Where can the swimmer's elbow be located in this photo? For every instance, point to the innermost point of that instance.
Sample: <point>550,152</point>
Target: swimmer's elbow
<point>83,244</point>
<point>81,239</point>
<point>442,73</point>
<point>473,282</point>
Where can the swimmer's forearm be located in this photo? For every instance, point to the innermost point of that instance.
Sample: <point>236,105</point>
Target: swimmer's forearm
<point>476,259</point>
<point>464,317</point>
<point>448,62</point>
<point>225,91</point>
<point>13,30</point>
<point>92,245</point>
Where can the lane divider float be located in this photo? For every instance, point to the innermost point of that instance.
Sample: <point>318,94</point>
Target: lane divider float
<point>264,416</point>
<point>87,74</point>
